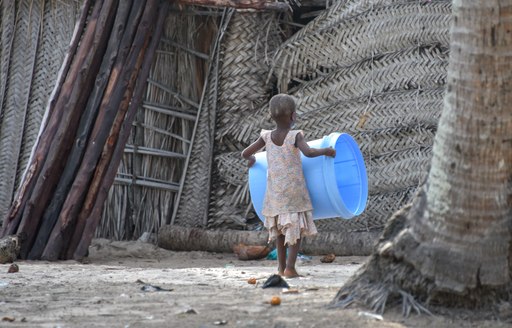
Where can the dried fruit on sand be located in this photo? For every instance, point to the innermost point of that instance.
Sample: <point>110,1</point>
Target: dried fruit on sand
<point>276,300</point>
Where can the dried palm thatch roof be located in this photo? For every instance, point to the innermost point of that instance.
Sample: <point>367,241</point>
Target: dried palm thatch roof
<point>374,69</point>
<point>35,36</point>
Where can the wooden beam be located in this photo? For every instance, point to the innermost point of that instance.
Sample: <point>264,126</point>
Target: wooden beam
<point>239,4</point>
<point>31,174</point>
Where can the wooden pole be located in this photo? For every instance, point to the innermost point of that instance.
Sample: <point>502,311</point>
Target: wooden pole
<point>13,217</point>
<point>10,224</point>
<point>153,34</point>
<point>65,225</point>
<point>51,213</point>
<point>80,82</point>
<point>341,243</point>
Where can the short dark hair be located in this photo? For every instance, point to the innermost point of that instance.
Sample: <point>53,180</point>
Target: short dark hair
<point>281,105</point>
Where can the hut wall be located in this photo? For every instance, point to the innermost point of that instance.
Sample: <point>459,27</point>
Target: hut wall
<point>244,90</point>
<point>148,180</point>
<point>35,35</point>
<point>373,69</point>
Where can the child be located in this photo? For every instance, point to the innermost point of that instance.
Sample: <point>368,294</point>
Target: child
<point>287,207</point>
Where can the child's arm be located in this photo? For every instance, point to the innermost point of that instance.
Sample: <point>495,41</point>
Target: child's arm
<point>312,152</point>
<point>248,153</point>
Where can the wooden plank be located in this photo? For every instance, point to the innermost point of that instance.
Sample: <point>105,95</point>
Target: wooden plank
<point>164,132</point>
<point>174,93</point>
<point>182,47</point>
<point>153,152</point>
<point>169,186</point>
<point>171,111</point>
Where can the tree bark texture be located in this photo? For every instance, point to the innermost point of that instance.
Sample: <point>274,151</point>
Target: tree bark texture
<point>179,238</point>
<point>464,231</point>
<point>52,214</point>
<point>453,244</point>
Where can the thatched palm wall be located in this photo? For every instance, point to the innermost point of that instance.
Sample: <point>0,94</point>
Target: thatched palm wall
<point>35,35</point>
<point>374,69</point>
<point>147,184</point>
<point>248,47</point>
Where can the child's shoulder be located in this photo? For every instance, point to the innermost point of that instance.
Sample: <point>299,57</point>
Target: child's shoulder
<point>294,133</point>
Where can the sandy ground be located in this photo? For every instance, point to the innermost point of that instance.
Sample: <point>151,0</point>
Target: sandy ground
<point>203,290</point>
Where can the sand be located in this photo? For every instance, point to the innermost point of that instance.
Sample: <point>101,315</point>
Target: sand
<point>117,287</point>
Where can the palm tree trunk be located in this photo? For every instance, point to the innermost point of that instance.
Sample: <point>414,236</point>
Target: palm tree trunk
<point>465,223</point>
<point>453,242</point>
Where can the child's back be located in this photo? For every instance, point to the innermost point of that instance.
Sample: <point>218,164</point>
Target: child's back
<point>287,207</point>
<point>286,188</point>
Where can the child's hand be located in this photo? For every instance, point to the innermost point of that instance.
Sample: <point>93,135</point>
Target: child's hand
<point>330,152</point>
<point>251,161</point>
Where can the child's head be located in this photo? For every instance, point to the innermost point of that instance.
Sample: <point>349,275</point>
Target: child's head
<point>281,106</point>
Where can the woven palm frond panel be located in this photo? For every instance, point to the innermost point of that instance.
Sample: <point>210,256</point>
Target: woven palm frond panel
<point>329,98</point>
<point>250,41</point>
<point>57,25</point>
<point>249,44</point>
<point>375,70</point>
<point>381,111</point>
<point>8,26</point>
<point>193,205</point>
<point>35,36</point>
<point>355,30</point>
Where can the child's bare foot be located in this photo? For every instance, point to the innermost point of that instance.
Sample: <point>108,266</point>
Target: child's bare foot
<point>281,273</point>
<point>290,273</point>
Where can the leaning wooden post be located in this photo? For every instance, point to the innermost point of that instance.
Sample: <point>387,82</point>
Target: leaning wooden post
<point>83,74</point>
<point>30,176</point>
<point>51,213</point>
<point>65,225</point>
<point>94,216</point>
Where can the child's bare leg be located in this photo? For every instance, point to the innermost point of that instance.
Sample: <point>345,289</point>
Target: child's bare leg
<point>293,251</point>
<point>281,254</point>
